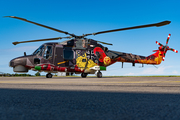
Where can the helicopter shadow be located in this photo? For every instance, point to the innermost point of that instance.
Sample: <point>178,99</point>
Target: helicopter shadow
<point>58,104</point>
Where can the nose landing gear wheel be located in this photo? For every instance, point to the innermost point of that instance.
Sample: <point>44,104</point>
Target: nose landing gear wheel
<point>99,74</point>
<point>49,75</point>
<point>83,75</point>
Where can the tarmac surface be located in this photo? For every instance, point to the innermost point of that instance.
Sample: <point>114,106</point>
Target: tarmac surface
<point>75,98</point>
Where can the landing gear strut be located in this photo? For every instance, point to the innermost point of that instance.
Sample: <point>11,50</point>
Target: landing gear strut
<point>83,75</point>
<point>99,74</point>
<point>49,75</point>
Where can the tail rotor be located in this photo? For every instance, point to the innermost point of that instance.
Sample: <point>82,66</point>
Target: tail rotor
<point>164,49</point>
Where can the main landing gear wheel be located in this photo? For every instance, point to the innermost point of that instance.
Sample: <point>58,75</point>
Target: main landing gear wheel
<point>99,74</point>
<point>49,75</point>
<point>83,75</point>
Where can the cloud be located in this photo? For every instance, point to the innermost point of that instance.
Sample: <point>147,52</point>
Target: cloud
<point>162,70</point>
<point>174,72</point>
<point>130,74</point>
<point>154,71</point>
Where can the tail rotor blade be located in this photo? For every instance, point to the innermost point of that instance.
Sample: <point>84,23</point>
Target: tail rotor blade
<point>163,56</point>
<point>159,43</point>
<point>168,39</point>
<point>166,43</point>
<point>173,50</point>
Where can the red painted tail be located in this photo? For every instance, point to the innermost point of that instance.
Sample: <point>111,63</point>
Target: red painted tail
<point>155,58</point>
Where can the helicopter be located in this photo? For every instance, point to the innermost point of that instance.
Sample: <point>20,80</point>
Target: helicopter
<point>81,55</point>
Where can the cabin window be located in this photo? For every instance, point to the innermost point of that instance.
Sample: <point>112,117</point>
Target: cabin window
<point>47,52</point>
<point>68,54</point>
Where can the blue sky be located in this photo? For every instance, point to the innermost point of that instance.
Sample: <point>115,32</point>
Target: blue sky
<point>88,16</point>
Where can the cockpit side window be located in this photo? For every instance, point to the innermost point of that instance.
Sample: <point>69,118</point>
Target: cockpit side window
<point>39,51</point>
<point>42,51</point>
<point>48,52</point>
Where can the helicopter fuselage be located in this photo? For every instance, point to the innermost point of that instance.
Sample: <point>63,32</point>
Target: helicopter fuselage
<point>67,56</point>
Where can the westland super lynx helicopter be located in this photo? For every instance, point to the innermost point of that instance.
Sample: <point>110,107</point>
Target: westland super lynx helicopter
<point>81,55</point>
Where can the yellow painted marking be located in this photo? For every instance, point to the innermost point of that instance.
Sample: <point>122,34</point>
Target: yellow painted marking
<point>62,62</point>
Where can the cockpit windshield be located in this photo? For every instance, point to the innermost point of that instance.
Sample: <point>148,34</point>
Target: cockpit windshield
<point>39,51</point>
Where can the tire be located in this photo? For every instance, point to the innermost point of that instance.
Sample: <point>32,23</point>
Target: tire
<point>49,75</point>
<point>83,75</point>
<point>99,74</point>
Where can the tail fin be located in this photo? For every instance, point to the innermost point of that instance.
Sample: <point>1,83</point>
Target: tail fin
<point>155,58</point>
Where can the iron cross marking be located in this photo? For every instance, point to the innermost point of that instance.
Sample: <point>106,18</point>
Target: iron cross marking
<point>90,54</point>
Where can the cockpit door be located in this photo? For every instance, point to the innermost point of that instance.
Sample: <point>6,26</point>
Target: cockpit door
<point>59,60</point>
<point>44,54</point>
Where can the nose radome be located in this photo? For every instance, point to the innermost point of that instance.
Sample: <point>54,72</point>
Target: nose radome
<point>18,61</point>
<point>20,69</point>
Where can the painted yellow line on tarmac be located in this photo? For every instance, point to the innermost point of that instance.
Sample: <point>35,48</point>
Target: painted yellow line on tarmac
<point>22,82</point>
<point>80,82</point>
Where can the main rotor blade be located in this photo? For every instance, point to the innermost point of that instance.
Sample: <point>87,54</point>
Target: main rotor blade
<point>15,43</point>
<point>41,25</point>
<point>135,27</point>
<point>104,43</point>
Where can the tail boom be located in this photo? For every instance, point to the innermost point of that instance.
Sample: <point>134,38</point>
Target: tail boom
<point>155,58</point>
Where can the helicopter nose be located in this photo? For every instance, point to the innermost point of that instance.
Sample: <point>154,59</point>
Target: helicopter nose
<point>18,65</point>
<point>17,61</point>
